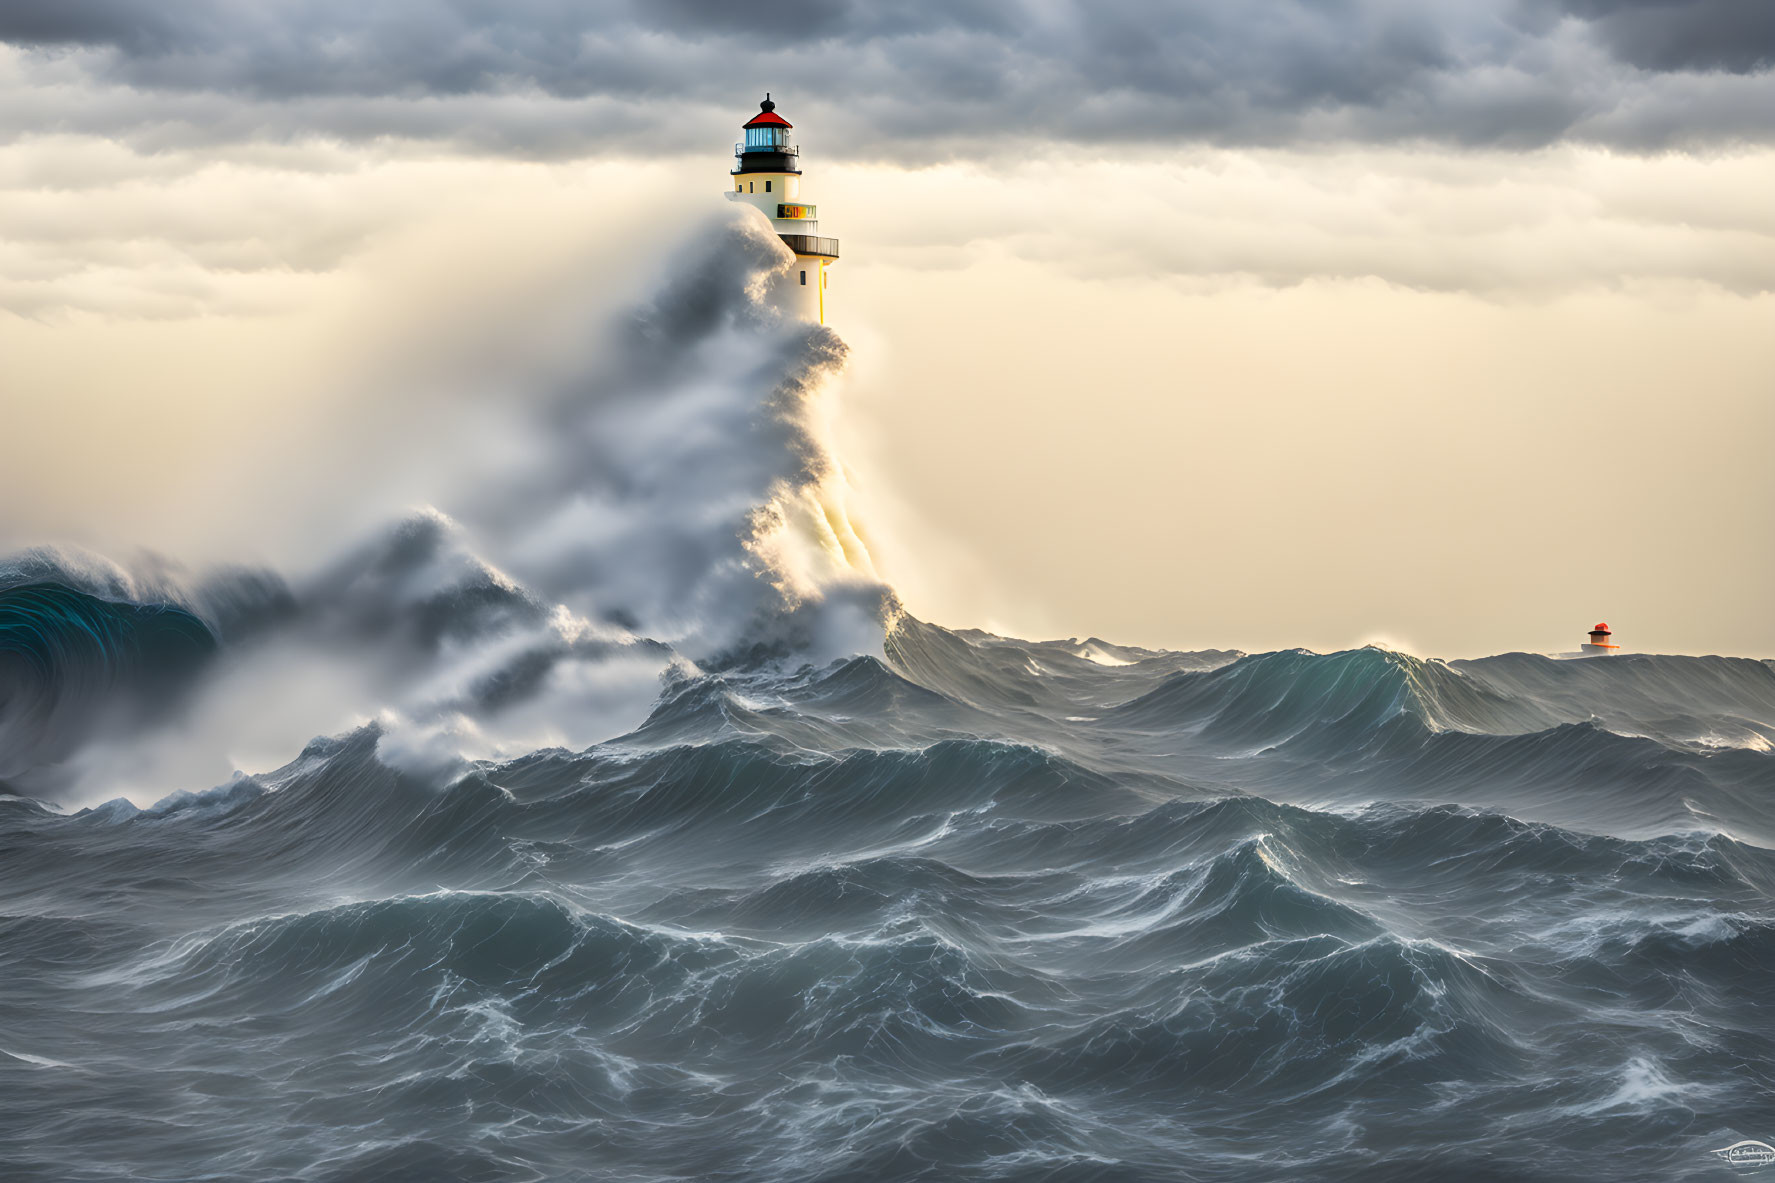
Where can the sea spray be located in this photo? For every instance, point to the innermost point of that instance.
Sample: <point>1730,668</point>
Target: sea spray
<point>676,503</point>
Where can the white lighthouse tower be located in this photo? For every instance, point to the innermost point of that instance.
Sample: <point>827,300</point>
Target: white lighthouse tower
<point>767,174</point>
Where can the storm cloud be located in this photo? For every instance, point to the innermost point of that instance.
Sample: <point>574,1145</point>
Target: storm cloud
<point>937,77</point>
<point>1732,35</point>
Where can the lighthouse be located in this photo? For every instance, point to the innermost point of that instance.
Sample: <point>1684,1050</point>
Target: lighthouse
<point>1599,645</point>
<point>767,176</point>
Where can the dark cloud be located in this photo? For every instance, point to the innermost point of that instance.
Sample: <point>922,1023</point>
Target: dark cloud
<point>1629,73</point>
<point>140,28</point>
<point>1670,35</point>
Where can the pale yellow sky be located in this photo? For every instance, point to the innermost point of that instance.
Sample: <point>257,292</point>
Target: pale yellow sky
<point>1458,402</point>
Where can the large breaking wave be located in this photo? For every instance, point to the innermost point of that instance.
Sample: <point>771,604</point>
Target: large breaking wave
<point>647,838</point>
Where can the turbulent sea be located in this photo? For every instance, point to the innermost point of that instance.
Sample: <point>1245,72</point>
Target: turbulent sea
<point>845,895</point>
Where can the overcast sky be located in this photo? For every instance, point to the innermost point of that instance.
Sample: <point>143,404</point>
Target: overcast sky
<point>579,75</point>
<point>1543,229</point>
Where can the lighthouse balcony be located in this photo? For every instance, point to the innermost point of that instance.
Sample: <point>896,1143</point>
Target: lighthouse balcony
<point>777,149</point>
<point>766,160</point>
<point>811,244</point>
<point>777,158</point>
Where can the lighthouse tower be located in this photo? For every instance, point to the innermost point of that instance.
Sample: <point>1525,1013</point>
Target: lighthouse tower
<point>1599,645</point>
<point>767,174</point>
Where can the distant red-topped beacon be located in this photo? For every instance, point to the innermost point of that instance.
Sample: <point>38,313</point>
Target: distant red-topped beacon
<point>1599,645</point>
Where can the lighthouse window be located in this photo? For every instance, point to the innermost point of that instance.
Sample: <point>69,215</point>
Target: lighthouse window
<point>804,279</point>
<point>767,186</point>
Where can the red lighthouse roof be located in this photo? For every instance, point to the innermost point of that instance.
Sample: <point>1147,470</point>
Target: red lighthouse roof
<point>1601,628</point>
<point>767,116</point>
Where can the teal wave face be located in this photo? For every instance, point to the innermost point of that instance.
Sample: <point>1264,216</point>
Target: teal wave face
<point>69,660</point>
<point>55,629</point>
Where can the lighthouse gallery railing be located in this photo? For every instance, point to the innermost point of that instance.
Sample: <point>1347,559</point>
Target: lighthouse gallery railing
<point>811,244</point>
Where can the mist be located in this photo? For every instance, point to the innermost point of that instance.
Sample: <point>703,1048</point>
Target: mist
<point>613,499</point>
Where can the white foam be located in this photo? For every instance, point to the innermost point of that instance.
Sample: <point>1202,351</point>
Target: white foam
<point>35,1061</point>
<point>1643,1085</point>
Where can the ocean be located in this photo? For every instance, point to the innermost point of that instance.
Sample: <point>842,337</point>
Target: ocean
<point>656,840</point>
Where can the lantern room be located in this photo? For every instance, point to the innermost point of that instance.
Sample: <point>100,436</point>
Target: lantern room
<point>766,148</point>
